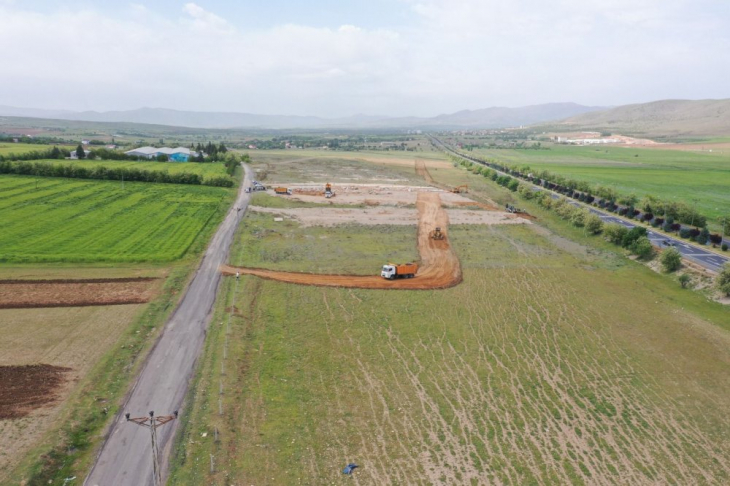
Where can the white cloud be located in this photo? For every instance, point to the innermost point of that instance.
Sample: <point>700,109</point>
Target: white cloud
<point>465,54</point>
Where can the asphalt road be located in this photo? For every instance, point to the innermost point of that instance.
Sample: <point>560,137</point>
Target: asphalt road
<point>125,457</point>
<point>695,253</point>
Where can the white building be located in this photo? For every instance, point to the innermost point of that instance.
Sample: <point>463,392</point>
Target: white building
<point>179,154</point>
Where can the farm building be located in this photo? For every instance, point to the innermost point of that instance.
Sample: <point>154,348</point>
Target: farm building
<point>179,154</point>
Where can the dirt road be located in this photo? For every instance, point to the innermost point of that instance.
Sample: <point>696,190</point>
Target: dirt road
<point>163,382</point>
<point>439,265</point>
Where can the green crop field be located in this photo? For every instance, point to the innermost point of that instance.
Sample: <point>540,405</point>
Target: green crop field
<point>68,220</point>
<point>699,179</point>
<point>21,148</point>
<point>205,170</point>
<point>552,363</point>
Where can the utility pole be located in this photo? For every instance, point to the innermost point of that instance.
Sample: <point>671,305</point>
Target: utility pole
<point>152,423</point>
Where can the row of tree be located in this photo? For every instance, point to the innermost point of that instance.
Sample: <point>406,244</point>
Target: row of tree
<point>109,173</point>
<point>607,197</point>
<point>634,240</point>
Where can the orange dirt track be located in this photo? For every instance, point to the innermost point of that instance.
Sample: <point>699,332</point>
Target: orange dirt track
<point>439,265</point>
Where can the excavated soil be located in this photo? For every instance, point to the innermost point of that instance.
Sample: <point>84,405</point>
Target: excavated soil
<point>19,294</point>
<point>439,266</point>
<point>26,388</point>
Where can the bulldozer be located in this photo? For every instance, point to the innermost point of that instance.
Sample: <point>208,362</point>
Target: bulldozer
<point>460,189</point>
<point>437,234</point>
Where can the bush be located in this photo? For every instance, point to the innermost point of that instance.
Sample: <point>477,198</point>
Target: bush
<point>671,260</point>
<point>593,224</point>
<point>684,280</point>
<point>684,232</point>
<point>615,233</point>
<point>724,247</point>
<point>578,217</point>
<point>723,280</point>
<point>633,235</point>
<point>703,236</point>
<point>715,239</point>
<point>642,248</point>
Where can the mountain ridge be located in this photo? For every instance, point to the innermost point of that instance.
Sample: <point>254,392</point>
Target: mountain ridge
<point>493,117</point>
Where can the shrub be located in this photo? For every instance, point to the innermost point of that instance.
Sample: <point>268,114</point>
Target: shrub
<point>703,236</point>
<point>578,217</point>
<point>513,184</point>
<point>724,247</point>
<point>684,280</point>
<point>633,235</point>
<point>614,233</point>
<point>684,232</point>
<point>593,224</point>
<point>642,248</point>
<point>671,260</point>
<point>723,280</point>
<point>715,239</point>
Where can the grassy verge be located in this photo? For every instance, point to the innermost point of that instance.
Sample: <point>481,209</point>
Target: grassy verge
<point>345,249</point>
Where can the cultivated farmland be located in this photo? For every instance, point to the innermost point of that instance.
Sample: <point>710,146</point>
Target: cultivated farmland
<point>698,179</point>
<point>207,170</point>
<point>21,148</point>
<point>62,220</point>
<point>551,363</point>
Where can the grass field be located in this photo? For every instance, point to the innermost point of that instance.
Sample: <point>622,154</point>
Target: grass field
<point>205,170</point>
<point>21,148</point>
<point>552,363</point>
<point>668,174</point>
<point>68,220</point>
<point>349,249</point>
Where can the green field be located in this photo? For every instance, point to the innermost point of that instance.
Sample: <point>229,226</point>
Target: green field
<point>21,148</point>
<point>205,170</point>
<point>68,220</point>
<point>346,249</point>
<point>552,363</point>
<point>700,179</point>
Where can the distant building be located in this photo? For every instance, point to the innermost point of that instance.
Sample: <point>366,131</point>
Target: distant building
<point>179,154</point>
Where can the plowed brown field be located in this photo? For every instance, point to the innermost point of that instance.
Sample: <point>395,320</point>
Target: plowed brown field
<point>20,294</point>
<point>26,388</point>
<point>439,265</point>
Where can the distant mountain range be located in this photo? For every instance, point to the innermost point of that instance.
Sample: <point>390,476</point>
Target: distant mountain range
<point>496,117</point>
<point>666,118</point>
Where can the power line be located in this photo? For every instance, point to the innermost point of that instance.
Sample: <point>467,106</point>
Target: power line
<point>152,423</point>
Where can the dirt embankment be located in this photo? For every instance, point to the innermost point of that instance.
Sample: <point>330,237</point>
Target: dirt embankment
<point>439,266</point>
<point>19,294</point>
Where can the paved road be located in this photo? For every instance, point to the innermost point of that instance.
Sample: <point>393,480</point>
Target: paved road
<point>695,253</point>
<point>125,458</point>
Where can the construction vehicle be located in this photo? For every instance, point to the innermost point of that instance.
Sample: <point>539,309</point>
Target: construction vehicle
<point>391,271</point>
<point>328,192</point>
<point>437,234</point>
<point>284,191</point>
<point>460,189</point>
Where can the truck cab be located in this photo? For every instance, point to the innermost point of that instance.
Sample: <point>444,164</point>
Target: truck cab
<point>388,272</point>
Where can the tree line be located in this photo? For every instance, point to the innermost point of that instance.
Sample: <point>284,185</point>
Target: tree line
<point>101,172</point>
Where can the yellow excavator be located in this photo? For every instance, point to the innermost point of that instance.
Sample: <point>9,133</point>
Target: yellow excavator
<point>460,189</point>
<point>437,234</point>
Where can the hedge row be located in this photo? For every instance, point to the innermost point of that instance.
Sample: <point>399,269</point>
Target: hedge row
<point>106,173</point>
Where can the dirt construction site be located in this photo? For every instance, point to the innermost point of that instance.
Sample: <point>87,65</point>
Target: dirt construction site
<point>434,208</point>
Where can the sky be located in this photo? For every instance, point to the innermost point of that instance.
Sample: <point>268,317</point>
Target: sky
<point>379,57</point>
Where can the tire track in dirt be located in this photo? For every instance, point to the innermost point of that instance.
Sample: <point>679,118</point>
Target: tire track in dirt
<point>422,171</point>
<point>439,267</point>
